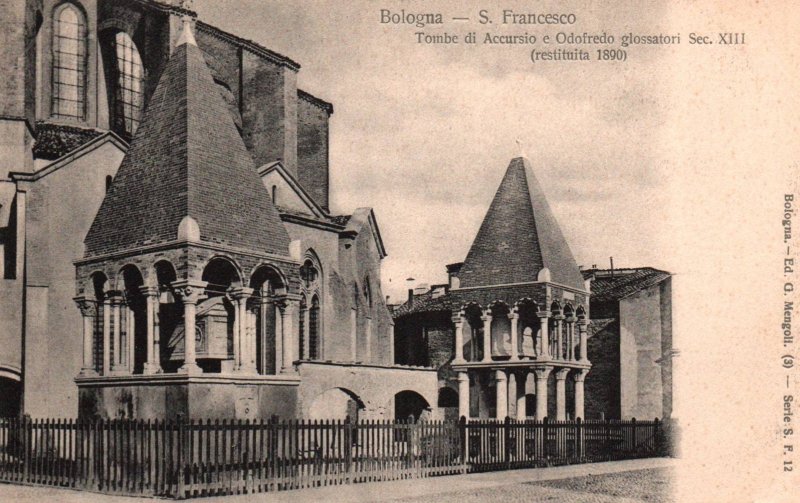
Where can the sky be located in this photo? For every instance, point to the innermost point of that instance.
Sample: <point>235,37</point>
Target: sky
<point>424,133</point>
<point>678,158</point>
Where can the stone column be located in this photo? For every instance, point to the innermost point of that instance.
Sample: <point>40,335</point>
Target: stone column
<point>583,326</point>
<point>521,402</point>
<point>107,335</point>
<point>487,336</point>
<point>190,292</point>
<point>515,342</point>
<point>544,352</point>
<point>501,384</point>
<point>511,399</point>
<point>559,319</point>
<point>458,322</point>
<point>287,332</point>
<point>368,352</point>
<point>561,394</point>
<point>542,373</point>
<point>571,338</point>
<point>251,326</point>
<point>130,335</point>
<point>88,309</point>
<point>463,394</point>
<point>116,364</point>
<point>152,365</point>
<point>242,357</point>
<point>278,335</point>
<point>579,377</point>
<point>354,334</point>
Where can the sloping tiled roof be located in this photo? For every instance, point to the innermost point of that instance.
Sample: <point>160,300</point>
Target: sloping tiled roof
<point>623,283</point>
<point>187,159</point>
<point>424,303</point>
<point>519,237</point>
<point>56,140</point>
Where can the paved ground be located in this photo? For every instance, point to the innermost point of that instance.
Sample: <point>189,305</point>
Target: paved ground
<point>634,481</point>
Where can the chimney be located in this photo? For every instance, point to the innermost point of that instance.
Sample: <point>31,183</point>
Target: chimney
<point>611,259</point>
<point>410,296</point>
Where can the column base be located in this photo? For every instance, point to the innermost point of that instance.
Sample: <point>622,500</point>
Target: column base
<point>246,371</point>
<point>119,372</point>
<point>151,368</point>
<point>190,368</point>
<point>288,370</point>
<point>88,372</point>
<point>458,361</point>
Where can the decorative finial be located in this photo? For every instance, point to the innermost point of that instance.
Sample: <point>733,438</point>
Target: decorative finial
<point>520,147</point>
<point>186,36</point>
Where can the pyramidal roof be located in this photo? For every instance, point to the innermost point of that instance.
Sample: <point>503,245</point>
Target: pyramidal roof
<point>519,237</point>
<point>187,159</point>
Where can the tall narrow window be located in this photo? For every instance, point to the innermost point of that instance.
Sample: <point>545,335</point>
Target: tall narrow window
<point>313,329</point>
<point>69,63</point>
<point>128,93</point>
<point>301,329</point>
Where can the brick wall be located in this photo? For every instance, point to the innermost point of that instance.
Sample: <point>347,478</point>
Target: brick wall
<point>601,389</point>
<point>269,111</point>
<point>312,147</point>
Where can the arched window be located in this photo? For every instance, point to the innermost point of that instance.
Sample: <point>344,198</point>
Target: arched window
<point>367,292</point>
<point>313,329</point>
<point>128,82</point>
<point>109,181</point>
<point>69,63</point>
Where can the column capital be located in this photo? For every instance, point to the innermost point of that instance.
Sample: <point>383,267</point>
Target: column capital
<point>542,372</point>
<point>190,291</point>
<point>87,305</point>
<point>500,375</point>
<point>240,292</point>
<point>486,317</point>
<point>463,376</point>
<point>571,319</point>
<point>583,323</point>
<point>458,319</point>
<point>559,317</point>
<point>561,374</point>
<point>543,314</point>
<point>580,376</point>
<point>513,315</point>
<point>149,290</point>
<point>114,297</point>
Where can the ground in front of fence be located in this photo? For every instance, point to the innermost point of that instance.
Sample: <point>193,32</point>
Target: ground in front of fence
<point>649,485</point>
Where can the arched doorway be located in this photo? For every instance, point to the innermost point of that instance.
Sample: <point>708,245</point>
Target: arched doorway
<point>409,404</point>
<point>267,284</point>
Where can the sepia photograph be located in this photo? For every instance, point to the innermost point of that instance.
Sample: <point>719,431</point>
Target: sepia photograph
<point>402,250</point>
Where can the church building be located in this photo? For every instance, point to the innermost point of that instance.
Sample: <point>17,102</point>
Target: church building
<point>166,237</point>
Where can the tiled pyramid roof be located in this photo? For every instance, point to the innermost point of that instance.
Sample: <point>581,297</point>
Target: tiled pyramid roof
<point>187,159</point>
<point>610,285</point>
<point>519,237</point>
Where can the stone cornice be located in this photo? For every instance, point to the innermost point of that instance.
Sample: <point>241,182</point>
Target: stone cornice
<point>317,102</point>
<point>142,250</point>
<point>522,364</point>
<point>168,379</point>
<point>249,45</point>
<point>525,283</point>
<point>329,363</point>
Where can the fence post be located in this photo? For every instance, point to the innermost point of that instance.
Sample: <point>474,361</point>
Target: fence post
<point>607,443</point>
<point>635,448</point>
<point>579,448</point>
<point>507,442</point>
<point>462,429</point>
<point>348,449</point>
<point>180,455</point>
<point>545,438</point>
